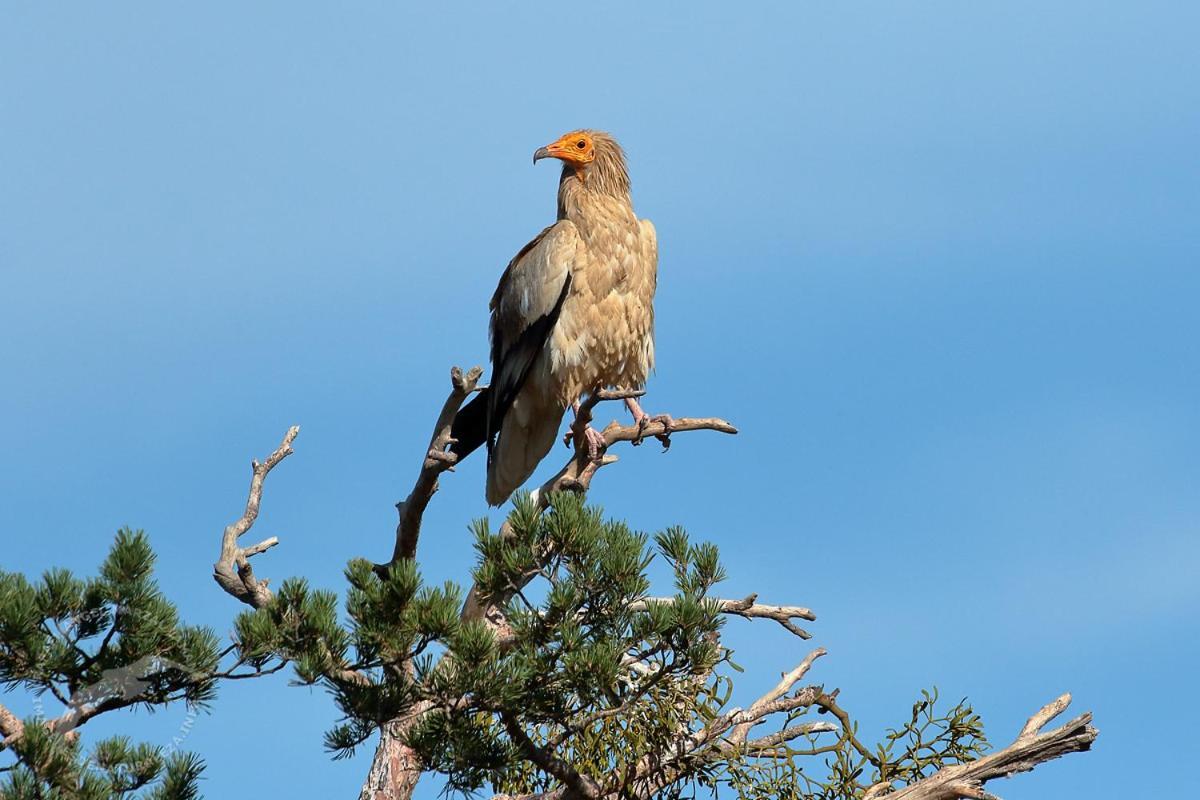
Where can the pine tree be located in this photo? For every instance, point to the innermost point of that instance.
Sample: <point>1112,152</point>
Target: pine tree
<point>558,674</point>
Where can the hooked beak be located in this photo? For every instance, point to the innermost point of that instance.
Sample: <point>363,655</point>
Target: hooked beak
<point>562,150</point>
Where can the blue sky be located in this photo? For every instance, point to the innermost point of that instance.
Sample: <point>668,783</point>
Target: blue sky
<point>938,261</point>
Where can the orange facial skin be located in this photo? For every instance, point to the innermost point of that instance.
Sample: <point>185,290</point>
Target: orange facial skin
<point>575,148</point>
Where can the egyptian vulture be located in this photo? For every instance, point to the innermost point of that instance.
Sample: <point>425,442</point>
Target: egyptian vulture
<point>573,313</point>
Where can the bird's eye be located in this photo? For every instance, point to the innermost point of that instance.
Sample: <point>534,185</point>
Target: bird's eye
<point>581,144</point>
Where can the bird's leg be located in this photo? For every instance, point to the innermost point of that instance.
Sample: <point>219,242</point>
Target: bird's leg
<point>642,419</point>
<point>592,437</point>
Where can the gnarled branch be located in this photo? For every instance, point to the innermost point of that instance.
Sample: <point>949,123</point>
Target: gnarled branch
<point>1031,747</point>
<point>232,569</point>
<point>749,608</point>
<point>576,475</point>
<point>437,460</point>
<point>760,708</point>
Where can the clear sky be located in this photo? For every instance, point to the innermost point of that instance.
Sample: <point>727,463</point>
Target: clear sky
<point>937,260</point>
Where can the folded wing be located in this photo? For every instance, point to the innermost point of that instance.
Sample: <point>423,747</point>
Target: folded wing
<point>522,408</point>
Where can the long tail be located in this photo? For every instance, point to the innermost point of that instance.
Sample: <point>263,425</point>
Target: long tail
<point>470,426</point>
<point>528,432</point>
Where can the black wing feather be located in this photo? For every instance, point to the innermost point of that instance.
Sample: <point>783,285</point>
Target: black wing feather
<point>516,361</point>
<point>479,421</point>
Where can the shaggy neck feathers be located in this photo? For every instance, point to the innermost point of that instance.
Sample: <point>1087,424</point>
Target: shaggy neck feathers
<point>605,178</point>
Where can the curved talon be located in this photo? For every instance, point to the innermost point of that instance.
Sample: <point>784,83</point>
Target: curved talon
<point>641,423</point>
<point>643,420</point>
<point>668,428</point>
<point>665,420</point>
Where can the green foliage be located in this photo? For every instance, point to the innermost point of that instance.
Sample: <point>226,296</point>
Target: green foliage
<point>928,741</point>
<point>96,645</point>
<point>365,661</point>
<point>53,767</point>
<point>578,672</point>
<point>63,634</point>
<point>562,675</point>
<point>597,676</point>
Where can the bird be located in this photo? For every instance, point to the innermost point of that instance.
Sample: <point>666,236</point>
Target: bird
<point>573,313</point>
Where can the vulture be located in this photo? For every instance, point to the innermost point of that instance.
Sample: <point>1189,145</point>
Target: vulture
<point>573,313</point>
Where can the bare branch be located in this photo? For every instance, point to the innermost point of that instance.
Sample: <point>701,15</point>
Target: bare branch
<point>577,474</point>
<point>1044,715</point>
<point>750,609</point>
<point>654,773</point>
<point>436,461</point>
<point>395,767</point>
<point>232,569</point>
<point>758,709</point>
<point>789,734</point>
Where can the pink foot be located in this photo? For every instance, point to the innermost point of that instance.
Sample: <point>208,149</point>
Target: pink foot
<point>593,439</point>
<point>643,420</point>
<point>595,443</point>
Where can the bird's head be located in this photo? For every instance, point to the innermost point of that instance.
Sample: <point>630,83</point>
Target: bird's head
<point>577,148</point>
<point>592,156</point>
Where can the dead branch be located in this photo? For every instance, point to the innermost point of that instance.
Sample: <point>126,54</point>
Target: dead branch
<point>436,461</point>
<point>1044,715</point>
<point>577,474</point>
<point>232,569</point>
<point>764,744</point>
<point>759,708</point>
<point>749,608</point>
<point>67,723</point>
<point>1031,748</point>
<point>656,771</point>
